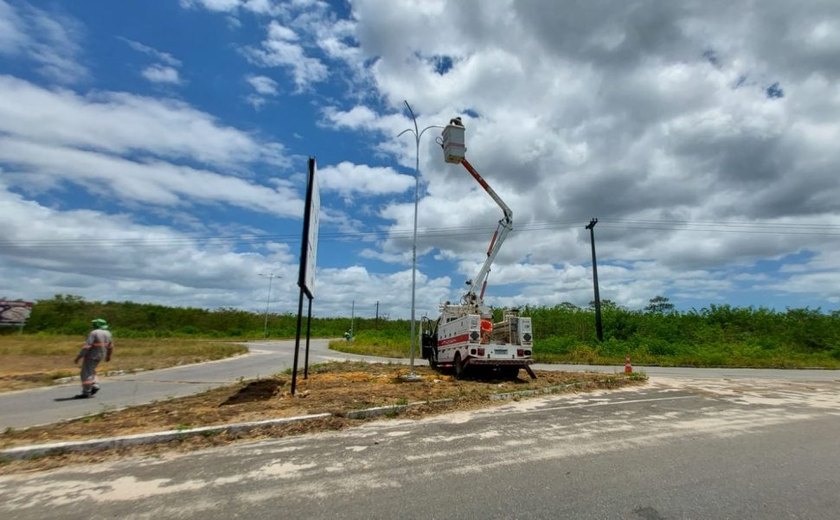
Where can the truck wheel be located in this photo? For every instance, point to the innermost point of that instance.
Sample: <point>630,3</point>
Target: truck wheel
<point>458,366</point>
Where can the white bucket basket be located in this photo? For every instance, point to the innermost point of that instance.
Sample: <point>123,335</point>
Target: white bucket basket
<point>453,143</point>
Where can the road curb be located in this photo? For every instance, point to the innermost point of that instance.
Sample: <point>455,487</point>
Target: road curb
<point>25,452</point>
<point>526,393</point>
<point>40,450</point>
<point>386,410</point>
<point>552,389</point>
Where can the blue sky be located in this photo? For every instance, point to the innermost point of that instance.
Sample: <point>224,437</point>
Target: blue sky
<point>156,151</point>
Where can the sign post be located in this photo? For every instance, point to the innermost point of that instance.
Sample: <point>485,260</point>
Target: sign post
<point>308,255</point>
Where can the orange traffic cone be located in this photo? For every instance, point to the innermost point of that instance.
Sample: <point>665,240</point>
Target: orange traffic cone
<point>628,368</point>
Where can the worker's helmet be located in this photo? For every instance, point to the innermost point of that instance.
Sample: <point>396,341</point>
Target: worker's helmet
<point>99,323</point>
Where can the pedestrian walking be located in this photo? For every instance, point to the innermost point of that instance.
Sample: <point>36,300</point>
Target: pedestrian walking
<point>99,345</point>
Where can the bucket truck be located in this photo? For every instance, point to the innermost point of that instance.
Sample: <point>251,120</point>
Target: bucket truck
<point>463,335</point>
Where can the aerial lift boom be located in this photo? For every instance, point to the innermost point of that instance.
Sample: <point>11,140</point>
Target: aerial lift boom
<point>501,233</point>
<point>463,336</point>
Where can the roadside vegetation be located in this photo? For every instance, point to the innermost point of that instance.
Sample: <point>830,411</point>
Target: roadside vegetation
<point>717,335</point>
<point>32,360</point>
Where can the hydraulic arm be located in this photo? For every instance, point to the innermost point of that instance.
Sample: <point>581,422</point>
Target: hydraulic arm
<point>464,337</point>
<point>479,282</point>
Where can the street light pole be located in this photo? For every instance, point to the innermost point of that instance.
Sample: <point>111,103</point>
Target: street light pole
<point>270,277</point>
<point>417,135</point>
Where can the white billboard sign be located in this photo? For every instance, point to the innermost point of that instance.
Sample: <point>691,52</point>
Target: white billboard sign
<point>311,220</point>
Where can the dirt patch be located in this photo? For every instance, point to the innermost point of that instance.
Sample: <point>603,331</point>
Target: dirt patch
<point>254,391</point>
<point>334,388</point>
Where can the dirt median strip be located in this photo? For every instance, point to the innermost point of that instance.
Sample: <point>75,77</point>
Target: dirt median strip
<point>25,452</point>
<point>335,396</point>
<point>39,450</point>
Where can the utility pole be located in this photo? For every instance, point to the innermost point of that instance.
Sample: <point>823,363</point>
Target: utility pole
<point>352,318</point>
<point>599,331</point>
<point>377,313</point>
<point>270,277</point>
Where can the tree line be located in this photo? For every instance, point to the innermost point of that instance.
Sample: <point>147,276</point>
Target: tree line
<point>717,335</point>
<point>71,315</point>
<point>713,335</point>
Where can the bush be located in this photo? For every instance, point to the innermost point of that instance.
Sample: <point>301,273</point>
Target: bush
<point>719,335</point>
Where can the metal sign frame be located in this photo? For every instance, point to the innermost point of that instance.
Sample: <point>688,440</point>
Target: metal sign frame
<point>306,274</point>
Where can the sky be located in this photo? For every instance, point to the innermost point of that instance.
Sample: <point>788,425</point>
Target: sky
<point>157,152</point>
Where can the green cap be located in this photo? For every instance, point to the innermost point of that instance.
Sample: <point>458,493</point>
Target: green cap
<point>99,323</point>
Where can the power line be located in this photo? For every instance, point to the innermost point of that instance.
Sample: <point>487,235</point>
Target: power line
<point>726,227</point>
<point>436,232</point>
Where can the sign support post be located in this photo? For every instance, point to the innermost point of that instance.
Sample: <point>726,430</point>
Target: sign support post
<point>306,274</point>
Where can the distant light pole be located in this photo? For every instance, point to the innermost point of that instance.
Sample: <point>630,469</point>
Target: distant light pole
<point>417,135</point>
<point>599,331</point>
<point>270,277</point>
<point>352,318</point>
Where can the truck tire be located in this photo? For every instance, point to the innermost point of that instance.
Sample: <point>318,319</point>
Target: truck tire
<point>458,366</point>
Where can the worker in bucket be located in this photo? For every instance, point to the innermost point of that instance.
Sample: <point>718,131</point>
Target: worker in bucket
<point>99,345</point>
<point>486,327</point>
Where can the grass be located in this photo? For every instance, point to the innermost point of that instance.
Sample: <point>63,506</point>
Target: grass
<point>731,355</point>
<point>609,353</point>
<point>32,361</point>
<point>374,347</point>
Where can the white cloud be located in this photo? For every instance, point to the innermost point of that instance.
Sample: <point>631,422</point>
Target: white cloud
<point>358,117</point>
<point>657,118</point>
<point>277,32</point>
<point>164,57</point>
<point>49,39</point>
<point>358,179</point>
<point>150,182</point>
<point>233,6</point>
<point>264,88</point>
<point>12,36</point>
<point>368,288</point>
<point>280,50</point>
<point>264,85</point>
<point>162,74</point>
<point>655,114</point>
<point>587,118</point>
<point>214,5</point>
<point>115,258</point>
<point>124,123</point>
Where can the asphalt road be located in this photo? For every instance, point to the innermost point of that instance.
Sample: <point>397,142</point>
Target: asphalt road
<point>48,405</point>
<point>675,448</point>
